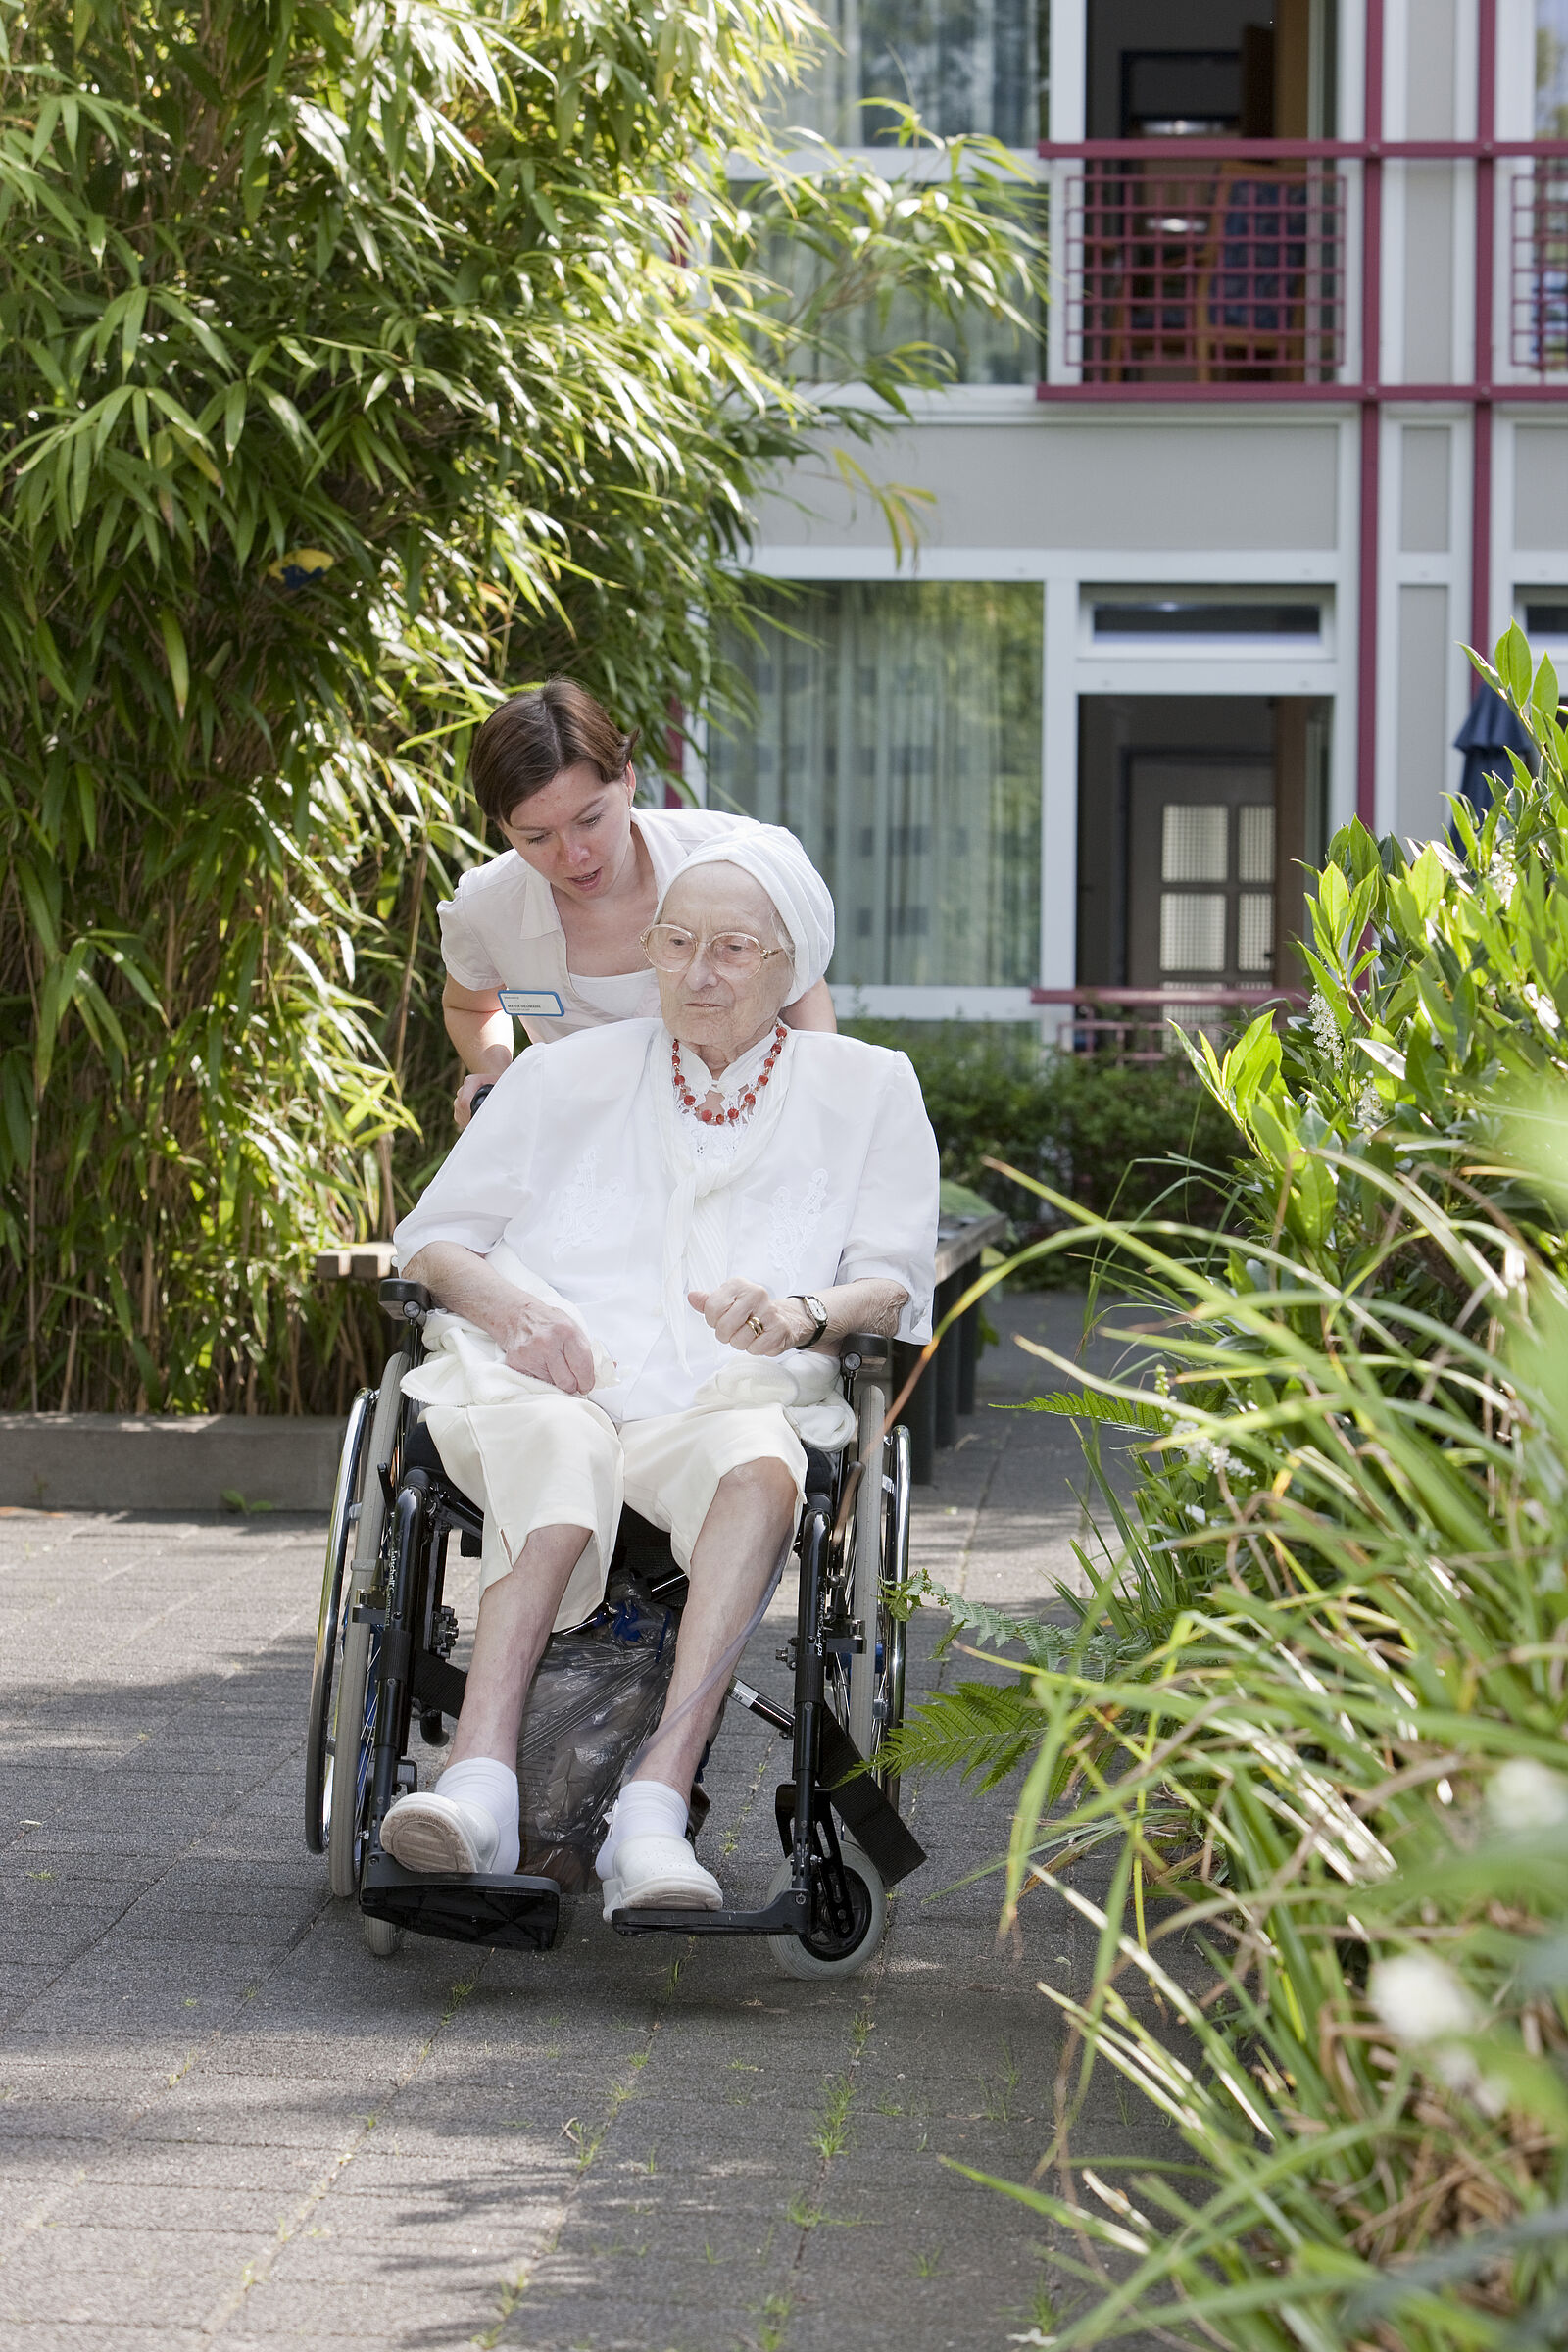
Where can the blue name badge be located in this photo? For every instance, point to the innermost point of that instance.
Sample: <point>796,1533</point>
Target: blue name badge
<point>525,1003</point>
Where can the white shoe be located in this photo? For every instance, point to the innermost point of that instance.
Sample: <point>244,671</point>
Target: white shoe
<point>435,1833</point>
<point>658,1873</point>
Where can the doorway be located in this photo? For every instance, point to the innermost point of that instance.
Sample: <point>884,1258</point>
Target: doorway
<point>1211,69</point>
<point>1196,816</point>
<point>1201,865</point>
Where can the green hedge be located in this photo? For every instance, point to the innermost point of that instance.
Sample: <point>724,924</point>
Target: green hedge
<point>1121,1139</point>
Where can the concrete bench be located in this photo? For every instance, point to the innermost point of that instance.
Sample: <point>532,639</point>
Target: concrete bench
<point>945,1392</point>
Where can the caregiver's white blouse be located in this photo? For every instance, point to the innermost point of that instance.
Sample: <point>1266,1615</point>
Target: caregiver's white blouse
<point>580,1163</point>
<point>500,929</point>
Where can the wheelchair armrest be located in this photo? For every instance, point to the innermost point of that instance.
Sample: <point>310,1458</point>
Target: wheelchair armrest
<point>405,1301</point>
<point>865,1352</point>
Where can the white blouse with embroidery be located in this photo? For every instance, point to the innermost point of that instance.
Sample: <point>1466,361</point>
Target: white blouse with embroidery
<point>584,1164</point>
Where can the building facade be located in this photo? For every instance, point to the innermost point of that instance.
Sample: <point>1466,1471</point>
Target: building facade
<point>1196,569</point>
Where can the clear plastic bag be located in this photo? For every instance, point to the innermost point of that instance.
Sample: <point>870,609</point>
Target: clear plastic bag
<point>595,1699</point>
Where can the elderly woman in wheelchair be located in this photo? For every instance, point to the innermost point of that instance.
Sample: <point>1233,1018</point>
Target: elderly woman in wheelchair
<point>647,1255</point>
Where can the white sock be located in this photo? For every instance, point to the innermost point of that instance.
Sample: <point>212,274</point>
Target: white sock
<point>491,1787</point>
<point>643,1809</point>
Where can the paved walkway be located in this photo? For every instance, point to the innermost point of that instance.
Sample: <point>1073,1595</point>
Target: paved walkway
<point>222,2119</point>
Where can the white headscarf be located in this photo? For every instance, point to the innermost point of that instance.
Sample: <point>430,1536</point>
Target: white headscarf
<point>800,898</point>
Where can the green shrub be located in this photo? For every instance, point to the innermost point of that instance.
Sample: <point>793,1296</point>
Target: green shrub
<point>1317,1705</point>
<point>1116,1139</point>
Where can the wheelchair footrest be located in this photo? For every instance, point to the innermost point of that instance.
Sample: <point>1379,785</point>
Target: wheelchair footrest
<point>789,1914</point>
<point>514,1912</point>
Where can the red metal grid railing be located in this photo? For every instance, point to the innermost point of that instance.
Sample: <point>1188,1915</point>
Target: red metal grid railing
<point>1134,1024</point>
<point>1537,310</point>
<point>1219,272</point>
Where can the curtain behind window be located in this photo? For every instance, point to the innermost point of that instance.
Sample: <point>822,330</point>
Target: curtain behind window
<point>983,349</point>
<point>897,735</point>
<point>962,65</point>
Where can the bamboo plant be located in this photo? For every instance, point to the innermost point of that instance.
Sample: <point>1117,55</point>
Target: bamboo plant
<point>357,363</point>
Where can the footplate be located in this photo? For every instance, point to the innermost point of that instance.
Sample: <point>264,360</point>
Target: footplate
<point>789,1914</point>
<point>514,1912</point>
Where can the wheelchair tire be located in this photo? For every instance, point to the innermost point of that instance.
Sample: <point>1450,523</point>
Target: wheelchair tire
<point>797,1958</point>
<point>879,1540</point>
<point>330,1627</point>
<point>353,1734</point>
<point>381,1936</point>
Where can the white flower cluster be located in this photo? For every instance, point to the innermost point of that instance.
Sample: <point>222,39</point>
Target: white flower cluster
<point>1200,1448</point>
<point>1524,1796</point>
<point>1424,2006</point>
<point>1326,1029</point>
<point>1502,875</point>
<point>1368,1109</point>
<point>1542,1006</point>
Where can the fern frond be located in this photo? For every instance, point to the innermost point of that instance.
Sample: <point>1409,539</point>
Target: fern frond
<point>1115,1412</point>
<point>979,1731</point>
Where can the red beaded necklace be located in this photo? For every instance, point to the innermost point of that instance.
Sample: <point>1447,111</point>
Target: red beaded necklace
<point>748,1102</point>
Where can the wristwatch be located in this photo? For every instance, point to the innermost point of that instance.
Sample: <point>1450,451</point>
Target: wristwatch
<point>814,1307</point>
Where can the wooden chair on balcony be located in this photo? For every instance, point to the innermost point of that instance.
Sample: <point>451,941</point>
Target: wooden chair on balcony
<point>1250,295</point>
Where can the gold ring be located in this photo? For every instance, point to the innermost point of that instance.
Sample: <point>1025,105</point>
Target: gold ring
<point>756,1325</point>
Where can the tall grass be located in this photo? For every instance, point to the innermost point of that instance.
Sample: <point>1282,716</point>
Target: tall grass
<point>1301,1757</point>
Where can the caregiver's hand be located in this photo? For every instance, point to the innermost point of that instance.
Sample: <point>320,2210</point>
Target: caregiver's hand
<point>743,1315</point>
<point>538,1340</point>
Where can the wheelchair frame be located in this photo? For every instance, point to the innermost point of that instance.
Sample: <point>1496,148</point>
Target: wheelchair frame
<point>384,1637</point>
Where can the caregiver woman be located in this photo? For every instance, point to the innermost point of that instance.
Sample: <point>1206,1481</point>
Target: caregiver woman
<point>549,934</point>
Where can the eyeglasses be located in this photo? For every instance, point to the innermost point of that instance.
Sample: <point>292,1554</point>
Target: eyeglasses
<point>733,954</point>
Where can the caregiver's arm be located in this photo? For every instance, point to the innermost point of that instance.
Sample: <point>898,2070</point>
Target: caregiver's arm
<point>869,1305</point>
<point>482,1035</point>
<point>534,1338</point>
<point>813,1011</point>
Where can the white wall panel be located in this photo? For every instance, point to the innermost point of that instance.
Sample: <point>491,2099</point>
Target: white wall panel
<point>1150,486</point>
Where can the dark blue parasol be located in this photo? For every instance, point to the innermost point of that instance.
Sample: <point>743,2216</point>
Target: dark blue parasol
<point>1490,733</point>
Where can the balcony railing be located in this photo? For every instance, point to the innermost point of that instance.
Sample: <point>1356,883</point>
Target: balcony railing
<point>1539,303</point>
<point>1211,271</point>
<point>1134,1024</point>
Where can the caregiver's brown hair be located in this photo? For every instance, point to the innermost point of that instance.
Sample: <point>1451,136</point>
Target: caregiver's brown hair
<point>527,743</point>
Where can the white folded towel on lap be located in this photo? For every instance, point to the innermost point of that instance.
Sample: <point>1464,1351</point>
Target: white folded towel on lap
<point>805,1383</point>
<point>465,1365</point>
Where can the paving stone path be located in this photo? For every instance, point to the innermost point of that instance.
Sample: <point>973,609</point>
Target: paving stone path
<point>223,2120</point>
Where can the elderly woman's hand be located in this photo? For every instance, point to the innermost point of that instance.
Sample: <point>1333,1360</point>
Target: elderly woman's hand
<point>743,1315</point>
<point>538,1340</point>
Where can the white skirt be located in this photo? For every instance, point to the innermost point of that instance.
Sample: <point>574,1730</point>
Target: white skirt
<point>547,1460</point>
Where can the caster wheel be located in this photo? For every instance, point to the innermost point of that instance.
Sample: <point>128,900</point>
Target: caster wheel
<point>869,1897</point>
<point>381,1936</point>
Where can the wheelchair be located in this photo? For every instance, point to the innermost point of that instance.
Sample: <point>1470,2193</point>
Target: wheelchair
<point>383,1652</point>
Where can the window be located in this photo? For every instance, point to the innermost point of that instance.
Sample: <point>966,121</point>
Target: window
<point>1546,618</point>
<point>962,65</point>
<point>982,350</point>
<point>1190,616</point>
<point>1212,68</point>
<point>1552,68</point>
<point>897,731</point>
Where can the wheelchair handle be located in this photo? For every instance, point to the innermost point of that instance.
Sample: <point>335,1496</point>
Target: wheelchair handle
<point>479,1095</point>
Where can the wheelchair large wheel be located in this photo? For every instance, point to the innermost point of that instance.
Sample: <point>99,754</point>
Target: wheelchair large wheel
<point>867,1693</point>
<point>352,1713</point>
<point>811,1956</point>
<point>330,1627</point>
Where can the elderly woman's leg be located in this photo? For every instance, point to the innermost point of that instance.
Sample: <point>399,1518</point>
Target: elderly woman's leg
<point>469,1821</point>
<point>547,1468</point>
<point>744,1538</point>
<point>515,1615</point>
<point>726,1484</point>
